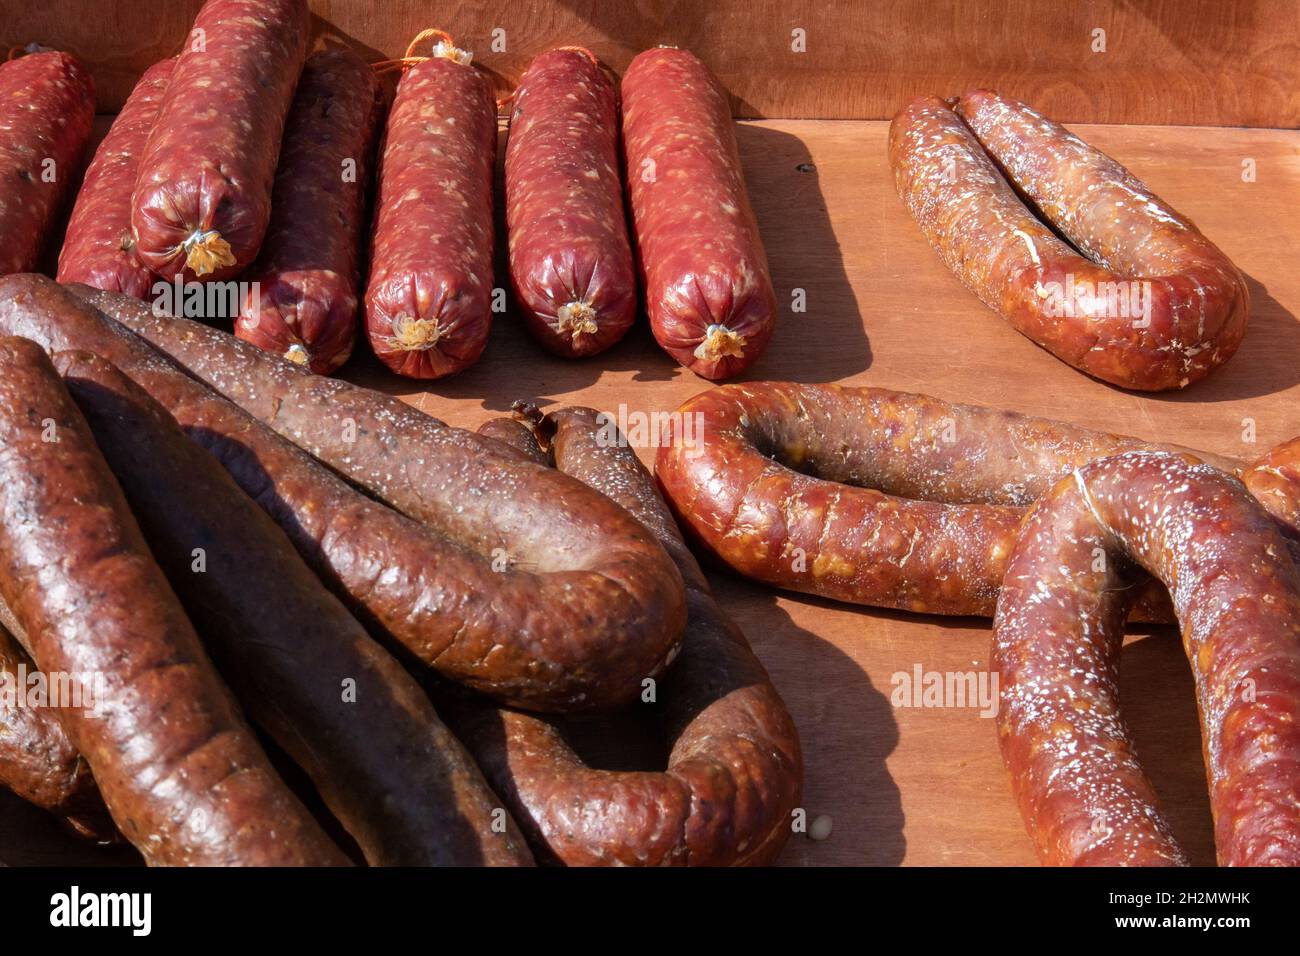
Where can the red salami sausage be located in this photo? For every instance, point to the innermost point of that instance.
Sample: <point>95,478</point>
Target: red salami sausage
<point>570,259</point>
<point>707,288</point>
<point>182,775</point>
<point>1057,636</point>
<point>203,193</point>
<point>303,305</point>
<point>47,108</point>
<point>1155,305</point>
<point>429,300</point>
<point>98,248</point>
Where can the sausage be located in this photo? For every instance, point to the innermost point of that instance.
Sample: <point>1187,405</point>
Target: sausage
<point>203,194</point>
<point>1153,306</point>
<point>302,303</point>
<point>570,258</point>
<point>707,288</point>
<point>429,299</point>
<point>584,606</point>
<point>98,248</point>
<point>1057,634</point>
<point>735,771</point>
<point>47,109</point>
<point>309,675</point>
<point>179,770</point>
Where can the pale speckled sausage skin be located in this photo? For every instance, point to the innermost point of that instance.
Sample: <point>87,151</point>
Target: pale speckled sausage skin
<point>429,299</point>
<point>210,161</point>
<point>570,258</point>
<point>308,273</point>
<point>1057,635</point>
<point>707,288</point>
<point>98,248</point>
<point>1180,306</point>
<point>585,604</point>
<point>47,108</point>
<point>735,770</point>
<point>179,770</point>
<point>307,672</point>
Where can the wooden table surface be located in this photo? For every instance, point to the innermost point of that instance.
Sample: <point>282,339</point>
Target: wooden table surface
<point>902,784</point>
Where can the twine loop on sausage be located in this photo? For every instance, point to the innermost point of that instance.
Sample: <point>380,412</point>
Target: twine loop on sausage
<point>445,48</point>
<point>575,319</point>
<point>413,334</point>
<point>720,342</point>
<point>206,252</point>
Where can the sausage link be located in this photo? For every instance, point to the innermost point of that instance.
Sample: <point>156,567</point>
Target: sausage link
<point>429,301</point>
<point>47,109</point>
<point>544,594</point>
<point>180,772</point>
<point>344,709</point>
<point>98,248</point>
<point>570,258</point>
<point>303,301</point>
<point>707,287</point>
<point>585,605</point>
<point>1154,306</point>
<point>1057,636</point>
<point>203,195</point>
<point>735,770</point>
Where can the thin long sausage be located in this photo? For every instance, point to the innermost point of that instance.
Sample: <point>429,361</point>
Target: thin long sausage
<point>302,303</point>
<point>98,248</point>
<point>47,109</point>
<point>735,771</point>
<point>570,258</point>
<point>1154,306</point>
<point>524,584</point>
<point>582,605</point>
<point>181,773</point>
<point>1057,635</point>
<point>202,198</point>
<point>429,300</point>
<point>707,288</point>
<point>343,708</point>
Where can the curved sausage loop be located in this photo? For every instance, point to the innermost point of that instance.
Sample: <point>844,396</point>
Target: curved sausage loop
<point>1153,306</point>
<point>735,771</point>
<point>1057,636</point>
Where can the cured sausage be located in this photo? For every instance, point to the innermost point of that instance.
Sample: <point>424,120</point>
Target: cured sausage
<point>47,108</point>
<point>1057,635</point>
<point>517,581</point>
<point>1146,302</point>
<point>570,258</point>
<point>302,303</point>
<point>707,288</point>
<point>429,300</point>
<point>735,771</point>
<point>868,495</point>
<point>98,248</point>
<point>203,194</point>
<point>344,709</point>
<point>180,772</point>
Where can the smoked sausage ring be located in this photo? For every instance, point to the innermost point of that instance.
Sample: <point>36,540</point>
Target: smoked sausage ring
<point>1138,297</point>
<point>1057,636</point>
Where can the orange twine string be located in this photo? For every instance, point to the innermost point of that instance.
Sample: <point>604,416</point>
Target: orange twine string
<point>409,59</point>
<point>565,49</point>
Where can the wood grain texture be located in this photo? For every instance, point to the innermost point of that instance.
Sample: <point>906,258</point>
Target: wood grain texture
<point>926,786</point>
<point>1180,62</point>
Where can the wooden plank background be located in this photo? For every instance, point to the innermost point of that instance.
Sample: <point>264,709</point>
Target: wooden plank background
<point>1183,62</point>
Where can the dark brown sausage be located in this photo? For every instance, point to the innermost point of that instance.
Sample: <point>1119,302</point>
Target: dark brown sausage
<point>429,300</point>
<point>585,603</point>
<point>1155,305</point>
<point>707,288</point>
<point>203,193</point>
<point>180,772</point>
<point>303,301</point>
<point>47,108</point>
<point>1057,636</point>
<point>570,259</point>
<point>735,770</point>
<point>98,248</point>
<point>306,671</point>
